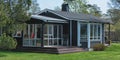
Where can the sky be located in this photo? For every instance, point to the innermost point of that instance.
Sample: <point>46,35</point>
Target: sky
<point>51,4</point>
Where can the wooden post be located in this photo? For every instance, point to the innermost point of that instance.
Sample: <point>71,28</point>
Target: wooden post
<point>42,36</point>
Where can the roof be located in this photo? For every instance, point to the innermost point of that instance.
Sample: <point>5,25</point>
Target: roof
<point>77,16</point>
<point>48,19</point>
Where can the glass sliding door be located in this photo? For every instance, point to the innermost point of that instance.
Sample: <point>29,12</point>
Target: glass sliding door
<point>82,34</point>
<point>52,35</point>
<point>32,35</point>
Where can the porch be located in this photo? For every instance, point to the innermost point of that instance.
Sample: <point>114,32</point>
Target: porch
<point>43,31</point>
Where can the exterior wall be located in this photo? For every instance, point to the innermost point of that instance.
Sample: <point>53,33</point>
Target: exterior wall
<point>74,33</point>
<point>94,43</point>
<point>84,44</point>
<point>66,32</point>
<point>66,41</point>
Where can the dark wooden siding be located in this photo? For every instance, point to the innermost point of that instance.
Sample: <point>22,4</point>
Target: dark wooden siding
<point>34,21</point>
<point>84,44</point>
<point>66,33</point>
<point>74,33</point>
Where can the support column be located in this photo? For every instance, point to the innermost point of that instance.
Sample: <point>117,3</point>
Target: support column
<point>88,35</point>
<point>78,34</point>
<point>103,34</point>
<point>70,32</point>
<point>42,36</point>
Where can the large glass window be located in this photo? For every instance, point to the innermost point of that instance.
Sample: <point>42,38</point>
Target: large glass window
<point>83,31</point>
<point>32,35</point>
<point>95,31</point>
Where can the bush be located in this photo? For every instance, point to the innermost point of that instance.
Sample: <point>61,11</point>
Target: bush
<point>99,47</point>
<point>7,42</point>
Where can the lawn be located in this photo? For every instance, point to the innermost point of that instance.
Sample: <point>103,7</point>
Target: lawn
<point>111,53</point>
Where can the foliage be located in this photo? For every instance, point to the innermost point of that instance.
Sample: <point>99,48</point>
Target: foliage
<point>114,10</point>
<point>34,8</point>
<point>7,42</point>
<point>13,13</point>
<point>81,6</point>
<point>98,47</point>
<point>94,10</point>
<point>114,13</point>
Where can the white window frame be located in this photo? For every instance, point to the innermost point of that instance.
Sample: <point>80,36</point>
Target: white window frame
<point>96,38</point>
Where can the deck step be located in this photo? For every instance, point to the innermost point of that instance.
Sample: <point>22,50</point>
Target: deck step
<point>70,50</point>
<point>52,50</point>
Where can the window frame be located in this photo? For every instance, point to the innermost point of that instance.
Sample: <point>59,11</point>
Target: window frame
<point>96,31</point>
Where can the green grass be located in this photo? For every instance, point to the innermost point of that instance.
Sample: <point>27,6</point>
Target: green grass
<point>111,53</point>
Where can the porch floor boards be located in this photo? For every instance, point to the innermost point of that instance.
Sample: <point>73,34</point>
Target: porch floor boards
<point>53,50</point>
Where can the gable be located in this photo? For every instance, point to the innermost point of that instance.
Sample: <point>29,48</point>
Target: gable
<point>49,14</point>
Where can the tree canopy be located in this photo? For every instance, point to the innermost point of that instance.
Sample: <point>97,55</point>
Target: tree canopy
<point>13,13</point>
<point>81,6</point>
<point>34,8</point>
<point>114,13</point>
<point>114,10</point>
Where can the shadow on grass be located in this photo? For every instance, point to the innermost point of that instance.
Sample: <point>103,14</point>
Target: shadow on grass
<point>2,55</point>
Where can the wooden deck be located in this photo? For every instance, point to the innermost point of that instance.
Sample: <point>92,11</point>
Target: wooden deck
<point>53,50</point>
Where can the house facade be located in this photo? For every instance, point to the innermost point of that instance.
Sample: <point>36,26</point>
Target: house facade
<point>51,28</point>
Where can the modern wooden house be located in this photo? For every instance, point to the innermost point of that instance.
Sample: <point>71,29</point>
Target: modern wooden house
<point>50,28</point>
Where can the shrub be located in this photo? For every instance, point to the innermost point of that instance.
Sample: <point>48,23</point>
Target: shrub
<point>7,42</point>
<point>99,47</point>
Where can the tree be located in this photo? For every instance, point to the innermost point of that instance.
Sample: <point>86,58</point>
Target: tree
<point>78,6</point>
<point>81,6</point>
<point>94,10</point>
<point>114,10</point>
<point>13,13</point>
<point>114,13</point>
<point>34,7</point>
